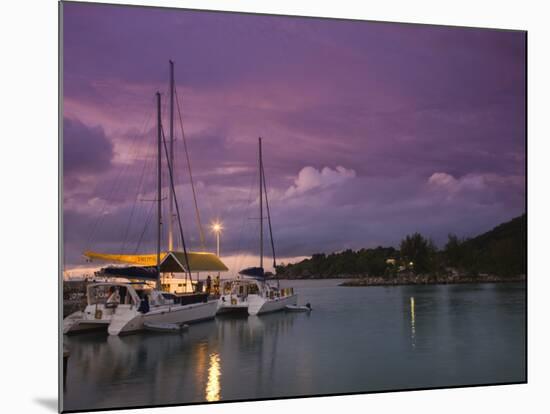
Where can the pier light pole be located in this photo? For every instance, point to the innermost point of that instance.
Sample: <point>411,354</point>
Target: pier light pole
<point>217,229</point>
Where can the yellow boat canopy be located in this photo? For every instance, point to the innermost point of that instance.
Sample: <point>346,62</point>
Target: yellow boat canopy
<point>169,261</point>
<point>134,259</point>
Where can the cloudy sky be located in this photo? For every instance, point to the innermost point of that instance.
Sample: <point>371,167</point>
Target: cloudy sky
<point>370,131</point>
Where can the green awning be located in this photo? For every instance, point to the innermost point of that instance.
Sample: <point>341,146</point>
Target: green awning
<point>174,262</point>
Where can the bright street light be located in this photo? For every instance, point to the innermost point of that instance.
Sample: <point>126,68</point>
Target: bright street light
<point>217,228</point>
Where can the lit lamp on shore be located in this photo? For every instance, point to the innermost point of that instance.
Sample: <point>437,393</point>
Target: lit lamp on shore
<point>217,229</point>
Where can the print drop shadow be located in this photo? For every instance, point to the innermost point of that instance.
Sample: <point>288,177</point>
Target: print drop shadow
<point>49,403</point>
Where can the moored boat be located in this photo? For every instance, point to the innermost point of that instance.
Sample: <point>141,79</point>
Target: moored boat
<point>155,306</point>
<point>251,290</point>
<point>97,314</point>
<point>297,308</point>
<point>121,308</point>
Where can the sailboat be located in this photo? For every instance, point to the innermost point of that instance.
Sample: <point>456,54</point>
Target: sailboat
<point>129,307</point>
<point>250,291</point>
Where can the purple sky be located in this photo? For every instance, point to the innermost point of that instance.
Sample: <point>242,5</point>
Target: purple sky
<point>371,130</point>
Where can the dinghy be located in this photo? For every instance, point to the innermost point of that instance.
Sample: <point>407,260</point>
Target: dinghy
<point>297,308</point>
<point>165,327</point>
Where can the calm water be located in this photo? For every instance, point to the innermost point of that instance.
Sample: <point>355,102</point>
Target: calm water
<point>355,340</point>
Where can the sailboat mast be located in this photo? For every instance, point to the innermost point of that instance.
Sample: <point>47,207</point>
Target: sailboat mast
<point>159,184</point>
<point>261,205</point>
<point>170,195</point>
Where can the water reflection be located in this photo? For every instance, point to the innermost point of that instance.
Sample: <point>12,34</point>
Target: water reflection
<point>200,353</point>
<point>469,334</point>
<point>413,331</point>
<point>213,388</point>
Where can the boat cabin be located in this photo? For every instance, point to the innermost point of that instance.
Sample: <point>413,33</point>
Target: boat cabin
<point>111,295</point>
<point>244,287</point>
<point>175,268</point>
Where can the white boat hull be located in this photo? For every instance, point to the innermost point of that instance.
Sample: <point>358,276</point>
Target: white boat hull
<point>74,324</point>
<point>229,304</point>
<point>133,321</point>
<point>258,305</point>
<point>80,322</point>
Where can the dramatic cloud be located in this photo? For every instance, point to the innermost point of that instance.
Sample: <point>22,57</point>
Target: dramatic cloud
<point>443,180</point>
<point>482,188</point>
<point>86,149</point>
<point>310,178</point>
<point>370,131</point>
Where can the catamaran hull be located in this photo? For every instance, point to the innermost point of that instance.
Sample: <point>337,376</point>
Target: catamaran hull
<point>82,326</point>
<point>231,304</point>
<point>78,323</point>
<point>224,309</point>
<point>258,305</point>
<point>129,322</point>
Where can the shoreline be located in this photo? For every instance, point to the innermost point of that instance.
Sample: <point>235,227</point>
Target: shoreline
<point>364,281</point>
<point>431,280</point>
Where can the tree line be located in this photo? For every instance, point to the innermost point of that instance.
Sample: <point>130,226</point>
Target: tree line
<point>501,252</point>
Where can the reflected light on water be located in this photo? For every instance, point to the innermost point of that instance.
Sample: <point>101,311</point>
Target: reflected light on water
<point>412,322</point>
<point>213,387</point>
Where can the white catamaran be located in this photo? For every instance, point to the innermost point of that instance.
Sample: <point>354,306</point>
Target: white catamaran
<point>121,307</point>
<point>250,291</point>
<point>129,307</point>
<point>96,315</point>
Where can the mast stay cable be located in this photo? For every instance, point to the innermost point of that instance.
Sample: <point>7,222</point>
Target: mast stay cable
<point>147,221</point>
<point>269,218</point>
<point>197,212</point>
<point>135,200</point>
<point>176,204</point>
<point>240,247</point>
<point>98,222</point>
<point>270,228</point>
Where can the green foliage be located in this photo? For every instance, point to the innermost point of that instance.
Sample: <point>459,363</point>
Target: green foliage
<point>418,253</point>
<point>363,262</point>
<point>453,251</point>
<point>501,251</point>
